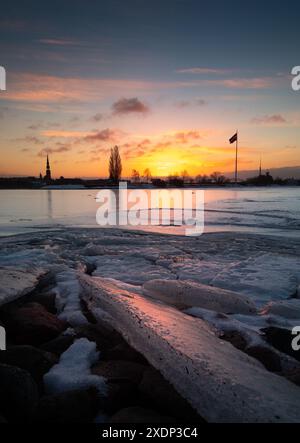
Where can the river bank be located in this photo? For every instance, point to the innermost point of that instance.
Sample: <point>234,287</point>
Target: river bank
<point>174,328</point>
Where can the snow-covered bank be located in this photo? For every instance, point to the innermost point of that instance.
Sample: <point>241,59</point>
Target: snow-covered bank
<point>234,284</point>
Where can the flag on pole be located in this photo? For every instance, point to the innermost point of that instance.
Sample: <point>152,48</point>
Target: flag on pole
<point>233,138</point>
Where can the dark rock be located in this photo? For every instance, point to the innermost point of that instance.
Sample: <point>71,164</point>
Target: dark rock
<point>164,397</point>
<point>104,338</point>
<point>293,375</point>
<point>32,324</point>
<point>139,415</point>
<point>33,360</point>
<point>46,299</point>
<point>235,338</point>
<point>2,419</point>
<point>123,351</point>
<point>281,339</point>
<point>67,407</point>
<point>18,394</point>
<point>115,370</point>
<point>266,356</point>
<point>59,344</point>
<point>120,394</point>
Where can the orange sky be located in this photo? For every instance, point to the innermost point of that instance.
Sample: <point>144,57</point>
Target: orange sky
<point>167,127</point>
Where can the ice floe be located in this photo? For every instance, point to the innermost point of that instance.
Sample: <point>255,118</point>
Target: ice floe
<point>189,293</point>
<point>16,283</point>
<point>211,374</point>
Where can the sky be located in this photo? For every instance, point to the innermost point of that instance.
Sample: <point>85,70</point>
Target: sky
<point>168,81</point>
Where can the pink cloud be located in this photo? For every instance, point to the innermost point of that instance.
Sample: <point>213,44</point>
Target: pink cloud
<point>269,120</point>
<point>199,70</point>
<point>129,106</point>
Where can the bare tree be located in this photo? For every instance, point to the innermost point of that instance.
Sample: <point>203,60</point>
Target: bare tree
<point>147,175</point>
<point>135,175</point>
<point>185,176</point>
<point>202,179</point>
<point>218,178</point>
<point>115,164</point>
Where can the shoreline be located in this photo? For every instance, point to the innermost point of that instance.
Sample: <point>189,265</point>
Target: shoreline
<point>129,263</point>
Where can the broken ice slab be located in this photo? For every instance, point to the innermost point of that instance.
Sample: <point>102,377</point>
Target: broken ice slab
<point>192,294</point>
<point>220,382</point>
<point>16,282</point>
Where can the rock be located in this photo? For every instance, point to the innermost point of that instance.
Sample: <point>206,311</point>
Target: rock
<point>103,337</point>
<point>116,370</point>
<point>164,397</point>
<point>236,338</point>
<point>33,360</point>
<point>285,308</point>
<point>32,324</point>
<point>139,415</point>
<point>59,344</point>
<point>266,356</point>
<point>67,407</point>
<point>293,375</point>
<point>46,299</point>
<point>123,351</point>
<point>120,394</point>
<point>191,294</point>
<point>18,394</point>
<point>281,339</point>
<point>16,283</point>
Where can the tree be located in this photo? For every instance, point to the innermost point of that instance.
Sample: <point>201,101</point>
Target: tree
<point>147,175</point>
<point>115,164</point>
<point>218,178</point>
<point>135,175</point>
<point>185,176</point>
<point>202,179</point>
<point>175,180</point>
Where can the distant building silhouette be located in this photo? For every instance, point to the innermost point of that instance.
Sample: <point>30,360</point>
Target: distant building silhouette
<point>47,177</point>
<point>259,172</point>
<point>261,180</point>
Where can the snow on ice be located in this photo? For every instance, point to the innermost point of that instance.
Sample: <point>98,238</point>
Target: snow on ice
<point>73,369</point>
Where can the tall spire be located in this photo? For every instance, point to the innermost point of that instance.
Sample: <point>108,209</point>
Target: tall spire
<point>260,167</point>
<point>48,170</point>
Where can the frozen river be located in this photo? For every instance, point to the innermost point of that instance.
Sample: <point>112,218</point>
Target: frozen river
<point>274,210</point>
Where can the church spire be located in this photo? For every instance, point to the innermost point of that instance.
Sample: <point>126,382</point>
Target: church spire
<point>259,167</point>
<point>48,170</point>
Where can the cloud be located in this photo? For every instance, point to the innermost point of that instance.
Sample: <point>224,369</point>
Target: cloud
<point>186,136</point>
<point>64,133</point>
<point>57,42</point>
<point>244,83</point>
<point>97,117</point>
<point>60,149</point>
<point>236,83</point>
<point>199,70</point>
<point>42,89</point>
<point>104,135</point>
<point>269,120</point>
<point>30,139</point>
<point>129,106</point>
<point>181,104</point>
<point>35,126</point>
<point>45,93</point>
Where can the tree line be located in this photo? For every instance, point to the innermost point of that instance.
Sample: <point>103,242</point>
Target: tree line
<point>115,173</point>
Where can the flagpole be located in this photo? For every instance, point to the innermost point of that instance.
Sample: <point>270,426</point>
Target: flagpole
<point>236,157</point>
